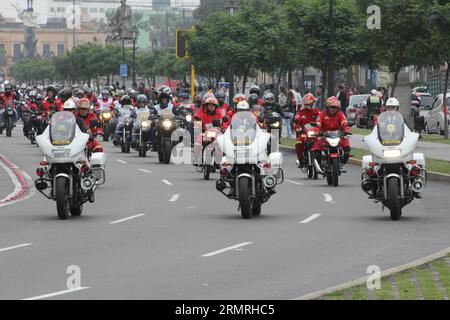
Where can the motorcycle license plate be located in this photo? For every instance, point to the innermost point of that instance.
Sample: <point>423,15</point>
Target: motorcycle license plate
<point>334,155</point>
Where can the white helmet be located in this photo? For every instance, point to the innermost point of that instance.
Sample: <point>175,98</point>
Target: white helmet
<point>374,92</point>
<point>69,105</point>
<point>392,102</point>
<point>243,106</point>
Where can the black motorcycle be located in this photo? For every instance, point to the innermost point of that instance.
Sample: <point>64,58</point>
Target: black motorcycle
<point>165,125</point>
<point>329,162</point>
<point>8,119</point>
<point>273,124</point>
<point>126,134</point>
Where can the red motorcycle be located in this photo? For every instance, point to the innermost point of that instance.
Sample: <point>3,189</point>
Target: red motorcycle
<point>307,166</point>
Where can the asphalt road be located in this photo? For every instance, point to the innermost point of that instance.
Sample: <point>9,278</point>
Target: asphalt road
<point>170,249</point>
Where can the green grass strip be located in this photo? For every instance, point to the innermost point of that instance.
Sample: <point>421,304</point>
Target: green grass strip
<point>429,287</point>
<point>406,286</point>
<point>360,292</point>
<point>385,292</point>
<point>444,273</point>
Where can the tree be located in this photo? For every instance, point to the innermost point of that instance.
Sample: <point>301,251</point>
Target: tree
<point>209,7</point>
<point>310,27</point>
<point>35,70</point>
<point>396,42</point>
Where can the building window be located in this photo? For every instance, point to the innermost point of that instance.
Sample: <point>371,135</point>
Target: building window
<point>85,10</point>
<point>46,51</point>
<point>61,49</point>
<point>52,9</point>
<point>17,52</point>
<point>102,10</point>
<point>60,9</point>
<point>93,10</point>
<point>2,46</point>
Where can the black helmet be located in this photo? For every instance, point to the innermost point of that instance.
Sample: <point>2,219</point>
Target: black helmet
<point>184,95</point>
<point>52,88</point>
<point>269,97</point>
<point>8,88</point>
<point>125,100</point>
<point>80,94</point>
<point>255,90</point>
<point>65,94</point>
<point>39,97</point>
<point>163,95</point>
<point>220,95</point>
<point>165,89</point>
<point>253,99</point>
<point>142,98</point>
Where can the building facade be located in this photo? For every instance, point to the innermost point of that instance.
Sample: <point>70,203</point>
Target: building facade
<point>53,39</point>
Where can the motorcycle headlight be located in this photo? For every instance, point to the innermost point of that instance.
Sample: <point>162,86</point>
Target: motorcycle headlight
<point>211,134</point>
<point>188,118</point>
<point>107,115</point>
<point>167,124</point>
<point>61,153</point>
<point>391,153</point>
<point>311,134</point>
<point>275,124</point>
<point>145,124</point>
<point>334,142</point>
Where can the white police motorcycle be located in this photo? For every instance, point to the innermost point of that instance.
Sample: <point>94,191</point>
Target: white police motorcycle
<point>393,175</point>
<point>72,174</point>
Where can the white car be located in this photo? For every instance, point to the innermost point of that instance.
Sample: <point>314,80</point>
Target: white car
<point>435,117</point>
<point>353,105</point>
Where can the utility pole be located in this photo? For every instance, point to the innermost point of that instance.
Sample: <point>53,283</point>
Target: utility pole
<point>331,52</point>
<point>73,24</point>
<point>167,30</point>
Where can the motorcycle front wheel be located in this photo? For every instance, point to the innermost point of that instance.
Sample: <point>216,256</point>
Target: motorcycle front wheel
<point>394,201</point>
<point>244,197</point>
<point>206,172</point>
<point>62,201</point>
<point>167,151</point>
<point>106,133</point>
<point>8,127</point>
<point>335,171</point>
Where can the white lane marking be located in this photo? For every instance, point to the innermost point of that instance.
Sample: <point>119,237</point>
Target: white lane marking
<point>174,198</point>
<point>294,182</point>
<point>121,161</point>
<point>328,198</point>
<point>311,218</point>
<point>15,247</point>
<point>226,249</point>
<point>126,219</point>
<point>54,294</point>
<point>167,182</point>
<point>145,171</point>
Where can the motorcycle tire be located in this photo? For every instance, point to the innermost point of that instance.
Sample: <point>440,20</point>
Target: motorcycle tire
<point>123,148</point>
<point>106,134</point>
<point>394,201</point>
<point>167,150</point>
<point>256,210</point>
<point>76,210</point>
<point>244,197</point>
<point>128,147</point>
<point>62,201</point>
<point>335,171</point>
<point>8,128</point>
<point>160,157</point>
<point>206,172</point>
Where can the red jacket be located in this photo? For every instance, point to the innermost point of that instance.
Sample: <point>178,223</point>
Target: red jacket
<point>4,98</point>
<point>91,117</point>
<point>207,118</point>
<point>328,122</point>
<point>32,106</point>
<point>305,116</point>
<point>224,109</point>
<point>55,105</point>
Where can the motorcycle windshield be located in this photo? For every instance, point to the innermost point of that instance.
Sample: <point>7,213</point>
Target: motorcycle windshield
<point>143,116</point>
<point>391,128</point>
<point>243,128</point>
<point>62,128</point>
<point>332,134</point>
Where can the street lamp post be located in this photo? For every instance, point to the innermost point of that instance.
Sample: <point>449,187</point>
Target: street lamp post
<point>135,35</point>
<point>232,8</point>
<point>330,52</point>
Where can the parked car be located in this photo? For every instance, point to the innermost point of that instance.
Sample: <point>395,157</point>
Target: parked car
<point>420,107</point>
<point>435,118</point>
<point>353,106</point>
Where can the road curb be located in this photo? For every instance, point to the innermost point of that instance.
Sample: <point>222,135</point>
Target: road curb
<point>432,176</point>
<point>24,186</point>
<point>388,272</point>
